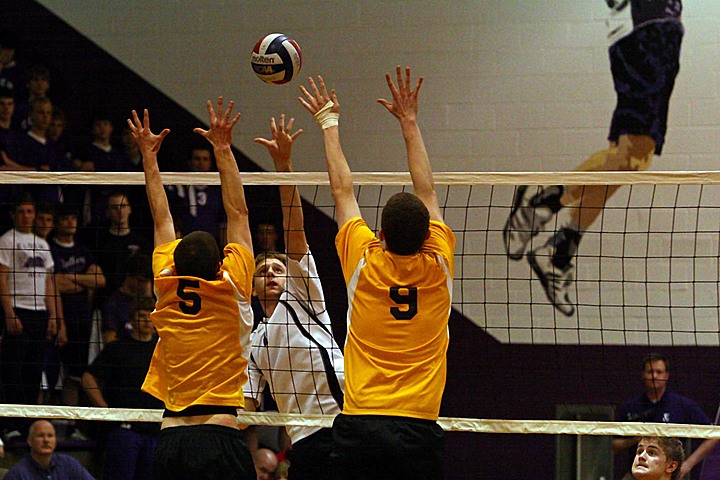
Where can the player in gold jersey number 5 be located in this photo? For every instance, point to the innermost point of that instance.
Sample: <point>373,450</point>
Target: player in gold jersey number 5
<point>203,318</point>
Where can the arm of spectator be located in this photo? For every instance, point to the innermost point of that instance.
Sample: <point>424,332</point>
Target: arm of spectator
<point>623,443</point>
<point>86,166</point>
<point>11,165</point>
<point>52,303</point>
<point>92,279</point>
<point>65,283</point>
<point>280,148</point>
<point>697,455</point>
<point>326,110</point>
<point>109,336</point>
<point>13,325</point>
<point>404,107</point>
<point>149,144</point>
<point>62,338</point>
<point>92,390</point>
<point>220,137</point>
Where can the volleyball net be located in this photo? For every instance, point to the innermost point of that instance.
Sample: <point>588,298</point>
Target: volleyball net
<point>646,279</point>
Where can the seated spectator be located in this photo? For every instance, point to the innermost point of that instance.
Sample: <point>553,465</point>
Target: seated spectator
<point>36,152</point>
<point>9,147</point>
<point>114,380</point>
<point>8,134</point>
<point>131,150</point>
<point>266,463</point>
<point>267,238</point>
<point>38,84</point>
<point>11,74</point>
<point>43,462</point>
<point>70,194</point>
<point>56,133</point>
<point>198,207</point>
<point>100,156</point>
<point>116,310</point>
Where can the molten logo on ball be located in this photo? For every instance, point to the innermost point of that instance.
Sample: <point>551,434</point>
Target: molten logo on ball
<point>276,58</point>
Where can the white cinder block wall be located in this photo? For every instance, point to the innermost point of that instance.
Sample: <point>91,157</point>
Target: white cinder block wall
<point>511,85</point>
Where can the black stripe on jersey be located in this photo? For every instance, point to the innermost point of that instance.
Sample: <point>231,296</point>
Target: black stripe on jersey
<point>333,381</point>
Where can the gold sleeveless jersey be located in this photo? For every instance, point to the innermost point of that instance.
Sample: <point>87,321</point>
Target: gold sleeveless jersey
<point>204,329</point>
<point>398,310</point>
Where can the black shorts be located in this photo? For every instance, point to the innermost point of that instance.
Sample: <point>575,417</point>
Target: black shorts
<point>310,457</point>
<point>383,447</point>
<point>644,65</point>
<point>202,452</point>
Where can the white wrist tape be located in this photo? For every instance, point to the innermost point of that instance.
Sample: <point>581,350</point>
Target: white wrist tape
<point>325,118</point>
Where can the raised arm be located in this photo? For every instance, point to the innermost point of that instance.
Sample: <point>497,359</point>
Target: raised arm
<point>280,148</point>
<point>149,144</point>
<point>326,110</point>
<point>404,107</point>
<point>220,137</point>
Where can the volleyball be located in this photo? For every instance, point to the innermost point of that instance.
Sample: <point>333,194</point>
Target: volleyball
<point>276,58</point>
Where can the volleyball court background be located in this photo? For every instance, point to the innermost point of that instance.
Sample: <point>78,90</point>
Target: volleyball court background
<point>518,86</point>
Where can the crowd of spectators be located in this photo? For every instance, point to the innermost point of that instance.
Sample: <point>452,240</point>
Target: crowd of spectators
<point>89,249</point>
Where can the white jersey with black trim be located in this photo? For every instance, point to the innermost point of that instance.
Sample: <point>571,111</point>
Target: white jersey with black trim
<point>289,362</point>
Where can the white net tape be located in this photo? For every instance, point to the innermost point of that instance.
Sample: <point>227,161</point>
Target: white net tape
<point>549,427</point>
<point>383,179</point>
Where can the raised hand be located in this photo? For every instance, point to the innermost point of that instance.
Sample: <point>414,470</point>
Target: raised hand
<point>404,105</point>
<point>280,146</point>
<point>221,124</point>
<point>148,142</point>
<point>316,100</point>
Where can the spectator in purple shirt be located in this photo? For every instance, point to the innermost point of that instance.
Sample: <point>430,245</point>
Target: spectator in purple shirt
<point>660,405</point>
<point>198,207</point>
<point>43,463</point>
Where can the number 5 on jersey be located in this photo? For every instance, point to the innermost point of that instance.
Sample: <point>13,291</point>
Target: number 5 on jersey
<point>193,302</point>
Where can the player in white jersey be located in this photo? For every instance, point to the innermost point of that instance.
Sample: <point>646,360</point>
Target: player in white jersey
<point>293,348</point>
